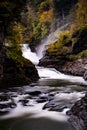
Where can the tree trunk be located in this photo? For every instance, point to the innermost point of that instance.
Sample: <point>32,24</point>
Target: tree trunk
<point>2,52</point>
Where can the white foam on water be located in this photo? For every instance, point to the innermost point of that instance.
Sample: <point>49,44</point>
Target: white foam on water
<point>29,55</point>
<point>74,96</point>
<point>34,110</point>
<point>51,73</point>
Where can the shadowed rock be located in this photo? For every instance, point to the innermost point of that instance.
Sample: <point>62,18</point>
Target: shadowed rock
<point>78,114</point>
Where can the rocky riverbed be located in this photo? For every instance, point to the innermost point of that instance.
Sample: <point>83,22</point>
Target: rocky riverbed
<point>53,98</point>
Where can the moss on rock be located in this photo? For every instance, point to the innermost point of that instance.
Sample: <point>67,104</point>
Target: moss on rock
<point>18,71</point>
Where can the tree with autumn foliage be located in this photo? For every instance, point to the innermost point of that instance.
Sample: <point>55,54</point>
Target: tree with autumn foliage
<point>79,15</point>
<point>38,20</point>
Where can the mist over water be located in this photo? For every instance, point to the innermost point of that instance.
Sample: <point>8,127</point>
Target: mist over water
<point>51,38</point>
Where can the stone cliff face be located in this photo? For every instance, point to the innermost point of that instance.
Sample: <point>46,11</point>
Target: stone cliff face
<point>68,56</point>
<point>76,67</point>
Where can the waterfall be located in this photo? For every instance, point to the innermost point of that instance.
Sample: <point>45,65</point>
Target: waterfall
<point>40,49</point>
<point>30,55</point>
<point>51,38</point>
<point>49,73</point>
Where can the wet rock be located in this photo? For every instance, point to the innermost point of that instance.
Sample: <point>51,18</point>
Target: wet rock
<point>45,97</point>
<point>34,93</point>
<point>8,105</point>
<point>49,105</point>
<point>78,114</point>
<point>60,107</point>
<point>41,100</point>
<point>51,96</point>
<point>24,102</point>
<point>13,105</point>
<point>4,97</point>
<point>85,76</point>
<point>54,105</point>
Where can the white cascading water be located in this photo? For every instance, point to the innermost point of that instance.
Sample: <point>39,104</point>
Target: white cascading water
<point>30,55</point>
<point>35,57</point>
<point>51,38</point>
<point>48,72</point>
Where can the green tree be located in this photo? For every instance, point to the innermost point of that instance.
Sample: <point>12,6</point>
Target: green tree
<point>79,16</point>
<point>38,20</point>
<point>81,12</point>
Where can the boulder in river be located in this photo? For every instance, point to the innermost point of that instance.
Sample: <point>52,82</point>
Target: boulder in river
<point>85,76</point>
<point>18,72</point>
<point>78,114</point>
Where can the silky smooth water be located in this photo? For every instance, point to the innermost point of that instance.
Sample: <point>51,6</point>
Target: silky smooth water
<point>25,123</point>
<point>33,117</point>
<point>66,88</point>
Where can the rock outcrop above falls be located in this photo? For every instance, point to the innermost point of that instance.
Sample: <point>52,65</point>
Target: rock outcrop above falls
<point>76,67</point>
<point>68,54</point>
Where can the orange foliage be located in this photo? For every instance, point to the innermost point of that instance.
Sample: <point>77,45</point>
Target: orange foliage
<point>47,16</point>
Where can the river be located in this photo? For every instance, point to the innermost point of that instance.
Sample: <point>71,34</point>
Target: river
<point>33,107</point>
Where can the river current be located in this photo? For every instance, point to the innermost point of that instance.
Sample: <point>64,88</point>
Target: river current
<point>26,111</point>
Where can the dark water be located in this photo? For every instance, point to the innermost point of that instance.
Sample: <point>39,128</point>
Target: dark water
<point>24,123</point>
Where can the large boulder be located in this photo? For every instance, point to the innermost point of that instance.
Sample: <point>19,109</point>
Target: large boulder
<point>16,73</point>
<point>78,114</point>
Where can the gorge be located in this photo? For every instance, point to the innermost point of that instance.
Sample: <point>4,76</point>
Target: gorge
<point>43,102</point>
<point>43,65</point>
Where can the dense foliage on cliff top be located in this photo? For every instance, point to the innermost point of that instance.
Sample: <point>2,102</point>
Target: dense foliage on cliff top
<point>72,44</point>
<point>41,17</point>
<point>32,23</point>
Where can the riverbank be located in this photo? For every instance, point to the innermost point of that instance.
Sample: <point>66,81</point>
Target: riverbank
<point>78,114</point>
